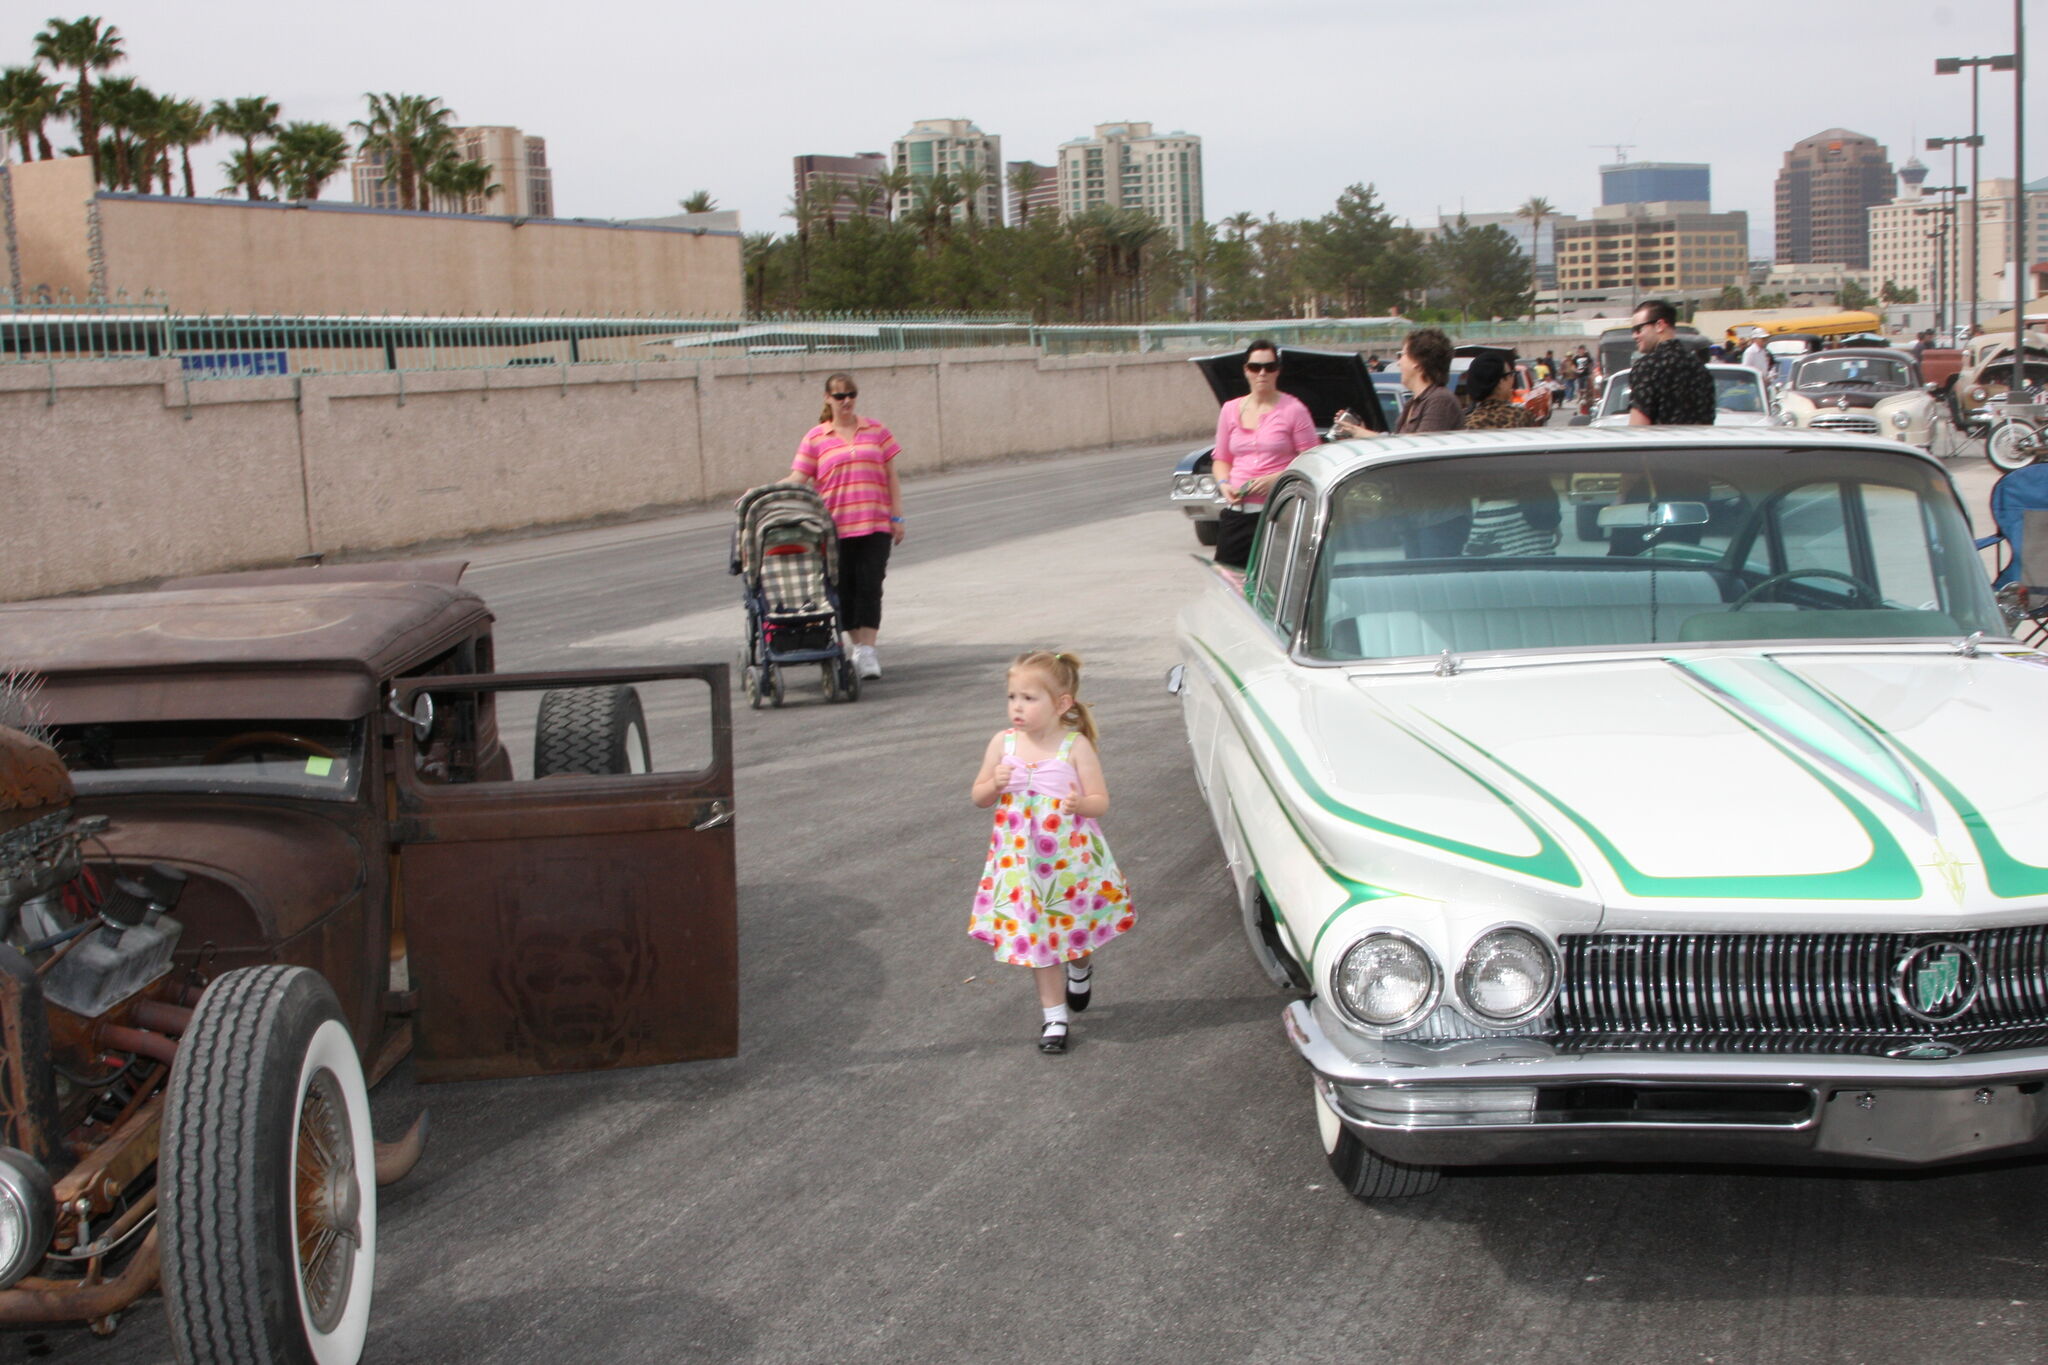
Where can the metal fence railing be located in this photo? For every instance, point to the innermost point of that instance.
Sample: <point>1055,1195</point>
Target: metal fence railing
<point>240,346</point>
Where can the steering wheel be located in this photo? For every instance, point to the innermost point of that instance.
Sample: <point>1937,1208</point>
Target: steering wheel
<point>251,741</point>
<point>1866,596</point>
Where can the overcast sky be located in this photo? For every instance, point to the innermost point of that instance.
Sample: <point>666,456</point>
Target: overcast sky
<point>1441,106</point>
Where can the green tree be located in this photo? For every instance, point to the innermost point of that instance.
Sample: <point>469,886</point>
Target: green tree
<point>84,46</point>
<point>248,117</point>
<point>412,133</point>
<point>1484,270</point>
<point>700,201</point>
<point>1536,208</point>
<point>28,101</point>
<point>308,156</point>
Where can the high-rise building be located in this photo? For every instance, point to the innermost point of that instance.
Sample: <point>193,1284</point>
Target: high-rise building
<point>522,185</point>
<point>1653,182</point>
<point>1043,197</point>
<point>1128,166</point>
<point>1652,248</point>
<point>1826,189</point>
<point>839,184</point>
<point>948,146</point>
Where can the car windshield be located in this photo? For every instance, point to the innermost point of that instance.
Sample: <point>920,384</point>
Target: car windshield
<point>1875,371</point>
<point>1735,390</point>
<point>320,760</point>
<point>1569,549</point>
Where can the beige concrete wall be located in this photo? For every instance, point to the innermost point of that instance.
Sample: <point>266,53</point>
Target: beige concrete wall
<point>50,212</point>
<point>124,471</point>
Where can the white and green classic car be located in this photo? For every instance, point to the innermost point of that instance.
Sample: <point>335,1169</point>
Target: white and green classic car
<point>1715,838</point>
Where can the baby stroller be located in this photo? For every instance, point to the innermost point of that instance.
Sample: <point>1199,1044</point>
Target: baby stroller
<point>2019,504</point>
<point>786,552</point>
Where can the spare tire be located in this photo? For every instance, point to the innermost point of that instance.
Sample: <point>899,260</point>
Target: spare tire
<point>591,730</point>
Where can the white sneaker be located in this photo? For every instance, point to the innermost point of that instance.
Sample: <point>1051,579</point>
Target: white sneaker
<point>865,662</point>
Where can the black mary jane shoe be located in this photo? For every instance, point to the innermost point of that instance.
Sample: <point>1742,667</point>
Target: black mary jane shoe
<point>1051,1043</point>
<point>1078,1000</point>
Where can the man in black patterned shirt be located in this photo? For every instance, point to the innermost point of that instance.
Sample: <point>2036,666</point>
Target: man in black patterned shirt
<point>1668,385</point>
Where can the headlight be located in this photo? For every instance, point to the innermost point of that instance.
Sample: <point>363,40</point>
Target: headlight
<point>28,1212</point>
<point>1385,982</point>
<point>1902,420</point>
<point>1507,977</point>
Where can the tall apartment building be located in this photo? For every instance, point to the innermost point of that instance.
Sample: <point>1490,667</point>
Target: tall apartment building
<point>950,145</point>
<point>1128,166</point>
<point>1656,182</point>
<point>1826,188</point>
<point>837,180</point>
<point>519,169</point>
<point>1042,198</point>
<point>1914,243</point>
<point>1652,248</point>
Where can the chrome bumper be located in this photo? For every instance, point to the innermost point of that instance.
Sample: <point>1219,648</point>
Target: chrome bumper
<point>1519,1100</point>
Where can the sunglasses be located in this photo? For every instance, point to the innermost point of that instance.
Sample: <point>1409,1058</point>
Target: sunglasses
<point>1262,366</point>
<point>835,397</point>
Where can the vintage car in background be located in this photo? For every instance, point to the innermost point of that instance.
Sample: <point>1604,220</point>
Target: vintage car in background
<point>1865,391</point>
<point>1701,842</point>
<point>1326,382</point>
<point>260,837</point>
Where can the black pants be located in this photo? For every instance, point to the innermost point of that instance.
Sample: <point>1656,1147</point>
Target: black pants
<point>1234,533</point>
<point>863,564</point>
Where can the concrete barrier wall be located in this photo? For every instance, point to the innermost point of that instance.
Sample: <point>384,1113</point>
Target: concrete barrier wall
<point>125,471</point>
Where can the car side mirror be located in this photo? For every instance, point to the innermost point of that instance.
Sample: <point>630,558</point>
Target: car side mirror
<point>1648,514</point>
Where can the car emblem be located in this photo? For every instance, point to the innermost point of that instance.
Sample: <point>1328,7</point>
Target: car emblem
<point>1932,1050</point>
<point>1937,981</point>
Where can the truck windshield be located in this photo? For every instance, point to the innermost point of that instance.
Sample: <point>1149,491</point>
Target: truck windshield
<point>318,760</point>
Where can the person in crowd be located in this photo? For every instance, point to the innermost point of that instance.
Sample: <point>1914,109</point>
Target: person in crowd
<point>1490,386</point>
<point>1425,368</point>
<point>1668,385</point>
<point>1050,893</point>
<point>851,461</point>
<point>1758,356</point>
<point>1257,437</point>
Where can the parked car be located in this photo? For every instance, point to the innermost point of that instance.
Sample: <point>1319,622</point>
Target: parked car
<point>1704,842</point>
<point>263,839</point>
<point>1867,391</point>
<point>1327,382</point>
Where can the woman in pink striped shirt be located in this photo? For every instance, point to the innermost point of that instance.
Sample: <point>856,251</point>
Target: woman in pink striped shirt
<point>851,462</point>
<point>1257,436</point>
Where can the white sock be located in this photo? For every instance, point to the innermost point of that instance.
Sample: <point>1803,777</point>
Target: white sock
<point>1056,1014</point>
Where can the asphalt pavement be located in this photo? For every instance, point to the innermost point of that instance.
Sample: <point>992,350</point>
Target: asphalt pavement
<point>889,1171</point>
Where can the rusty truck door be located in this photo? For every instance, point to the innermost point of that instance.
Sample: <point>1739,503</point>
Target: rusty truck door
<point>571,923</point>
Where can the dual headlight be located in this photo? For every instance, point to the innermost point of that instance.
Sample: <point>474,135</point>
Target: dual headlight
<point>1388,983</point>
<point>1194,486</point>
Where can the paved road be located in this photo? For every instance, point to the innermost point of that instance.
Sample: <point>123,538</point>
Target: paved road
<point>890,1172</point>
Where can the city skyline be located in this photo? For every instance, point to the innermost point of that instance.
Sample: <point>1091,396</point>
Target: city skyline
<point>1258,158</point>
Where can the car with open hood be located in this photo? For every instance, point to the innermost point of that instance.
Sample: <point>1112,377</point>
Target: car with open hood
<point>1702,841</point>
<point>1864,390</point>
<point>263,836</point>
<point>1326,382</point>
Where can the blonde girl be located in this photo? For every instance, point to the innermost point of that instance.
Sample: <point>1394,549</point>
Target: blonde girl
<point>1050,893</point>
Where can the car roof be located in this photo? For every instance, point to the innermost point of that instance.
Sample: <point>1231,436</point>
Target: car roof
<point>294,649</point>
<point>1326,464</point>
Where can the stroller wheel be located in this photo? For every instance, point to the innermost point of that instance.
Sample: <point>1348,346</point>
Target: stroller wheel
<point>775,684</point>
<point>751,681</point>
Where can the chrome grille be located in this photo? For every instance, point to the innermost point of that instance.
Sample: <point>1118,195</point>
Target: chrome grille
<point>1790,992</point>
<point>1852,423</point>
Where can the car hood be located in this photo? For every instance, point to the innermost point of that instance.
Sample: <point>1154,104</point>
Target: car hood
<point>1766,789</point>
<point>1326,382</point>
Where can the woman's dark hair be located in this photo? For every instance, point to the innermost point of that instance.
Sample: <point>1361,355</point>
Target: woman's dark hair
<point>1261,345</point>
<point>830,380</point>
<point>1431,350</point>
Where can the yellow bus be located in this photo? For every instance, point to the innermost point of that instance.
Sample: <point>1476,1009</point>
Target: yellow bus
<point>1828,327</point>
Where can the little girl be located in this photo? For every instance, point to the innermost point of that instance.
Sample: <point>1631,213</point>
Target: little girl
<point>1051,892</point>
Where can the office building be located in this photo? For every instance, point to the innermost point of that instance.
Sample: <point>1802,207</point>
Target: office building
<point>844,187</point>
<point>1655,182</point>
<point>1826,189</point>
<point>1128,166</point>
<point>1916,244</point>
<point>1043,196</point>
<point>949,146</point>
<point>1653,248</point>
<point>523,187</point>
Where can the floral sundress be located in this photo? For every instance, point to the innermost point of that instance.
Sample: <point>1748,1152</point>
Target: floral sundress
<point>1051,890</point>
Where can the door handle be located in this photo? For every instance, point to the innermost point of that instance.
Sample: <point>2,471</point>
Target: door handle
<point>721,814</point>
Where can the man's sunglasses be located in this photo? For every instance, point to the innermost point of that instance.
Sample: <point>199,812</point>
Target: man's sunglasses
<point>1262,366</point>
<point>835,397</point>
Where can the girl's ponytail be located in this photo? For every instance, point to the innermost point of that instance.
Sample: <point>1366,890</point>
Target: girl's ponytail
<point>1063,671</point>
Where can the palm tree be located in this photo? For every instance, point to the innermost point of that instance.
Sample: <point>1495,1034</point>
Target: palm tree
<point>895,182</point>
<point>28,100</point>
<point>1536,210</point>
<point>251,170</point>
<point>248,118</point>
<point>700,201</point>
<point>411,133</point>
<point>308,156</point>
<point>84,46</point>
<point>186,124</point>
